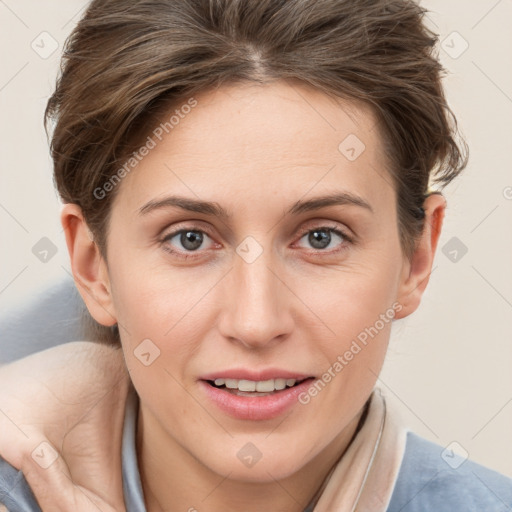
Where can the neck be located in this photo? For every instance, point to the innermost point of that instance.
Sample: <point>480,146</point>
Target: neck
<point>174,480</point>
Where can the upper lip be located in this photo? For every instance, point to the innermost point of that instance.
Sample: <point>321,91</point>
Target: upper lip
<point>259,375</point>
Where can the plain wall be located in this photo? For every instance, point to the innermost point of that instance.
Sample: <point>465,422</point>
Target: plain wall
<point>449,367</point>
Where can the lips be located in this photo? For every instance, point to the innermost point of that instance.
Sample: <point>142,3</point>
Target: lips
<point>254,395</point>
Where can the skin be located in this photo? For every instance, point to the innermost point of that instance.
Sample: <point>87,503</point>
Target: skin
<point>296,307</point>
<point>71,396</point>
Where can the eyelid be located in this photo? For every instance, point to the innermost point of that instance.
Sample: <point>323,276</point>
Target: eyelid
<point>192,225</point>
<point>345,245</point>
<point>179,229</point>
<point>347,234</point>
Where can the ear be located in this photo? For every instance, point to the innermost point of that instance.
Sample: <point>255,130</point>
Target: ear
<point>416,272</point>
<point>89,268</point>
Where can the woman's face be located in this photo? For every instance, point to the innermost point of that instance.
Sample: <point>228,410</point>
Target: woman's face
<point>285,285</point>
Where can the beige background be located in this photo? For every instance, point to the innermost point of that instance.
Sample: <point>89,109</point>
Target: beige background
<point>449,366</point>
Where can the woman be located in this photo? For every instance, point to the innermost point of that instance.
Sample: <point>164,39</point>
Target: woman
<point>247,209</point>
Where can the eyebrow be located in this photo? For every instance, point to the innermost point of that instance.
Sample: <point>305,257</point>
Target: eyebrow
<point>214,209</point>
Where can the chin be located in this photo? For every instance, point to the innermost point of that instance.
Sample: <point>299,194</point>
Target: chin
<point>251,465</point>
<point>261,473</point>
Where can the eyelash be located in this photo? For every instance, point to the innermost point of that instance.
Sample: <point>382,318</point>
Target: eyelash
<point>348,240</point>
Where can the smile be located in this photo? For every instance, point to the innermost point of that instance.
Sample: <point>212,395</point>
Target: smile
<point>254,400</point>
<point>245,387</point>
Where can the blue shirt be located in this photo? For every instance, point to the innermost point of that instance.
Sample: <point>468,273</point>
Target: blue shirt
<point>425,483</point>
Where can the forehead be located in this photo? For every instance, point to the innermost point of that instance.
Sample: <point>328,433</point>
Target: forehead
<point>249,139</point>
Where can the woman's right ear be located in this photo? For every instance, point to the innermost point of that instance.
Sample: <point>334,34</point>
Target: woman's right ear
<point>89,268</point>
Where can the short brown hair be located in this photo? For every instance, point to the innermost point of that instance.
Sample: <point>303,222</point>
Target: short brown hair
<point>128,59</point>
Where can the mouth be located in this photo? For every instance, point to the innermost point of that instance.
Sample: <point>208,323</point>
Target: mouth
<point>260,388</point>
<point>250,394</point>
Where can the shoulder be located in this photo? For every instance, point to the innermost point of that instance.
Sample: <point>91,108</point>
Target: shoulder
<point>15,492</point>
<point>432,477</point>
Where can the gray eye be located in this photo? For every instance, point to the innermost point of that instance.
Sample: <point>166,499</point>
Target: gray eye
<point>190,240</point>
<point>321,238</point>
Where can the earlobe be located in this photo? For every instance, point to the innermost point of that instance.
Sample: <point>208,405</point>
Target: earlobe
<point>417,272</point>
<point>88,266</point>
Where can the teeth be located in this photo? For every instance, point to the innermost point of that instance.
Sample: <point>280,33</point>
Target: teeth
<point>280,383</point>
<point>231,383</point>
<point>265,386</point>
<point>247,385</point>
<point>262,386</point>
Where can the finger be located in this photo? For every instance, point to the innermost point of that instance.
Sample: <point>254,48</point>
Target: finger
<point>54,489</point>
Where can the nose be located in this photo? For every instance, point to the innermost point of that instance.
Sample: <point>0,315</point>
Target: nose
<point>257,310</point>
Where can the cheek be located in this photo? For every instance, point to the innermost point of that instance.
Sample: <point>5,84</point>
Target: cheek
<point>360,320</point>
<point>357,306</point>
<point>152,298</point>
<point>164,314</point>
<point>351,299</point>
<point>153,310</point>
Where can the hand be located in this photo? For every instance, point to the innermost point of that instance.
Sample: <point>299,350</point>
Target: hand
<point>71,396</point>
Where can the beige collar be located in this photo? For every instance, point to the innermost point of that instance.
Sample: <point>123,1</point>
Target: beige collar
<point>364,478</point>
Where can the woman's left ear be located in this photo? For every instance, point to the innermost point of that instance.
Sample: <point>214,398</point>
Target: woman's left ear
<point>416,271</point>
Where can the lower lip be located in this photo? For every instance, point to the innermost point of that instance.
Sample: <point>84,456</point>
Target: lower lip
<point>257,407</point>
